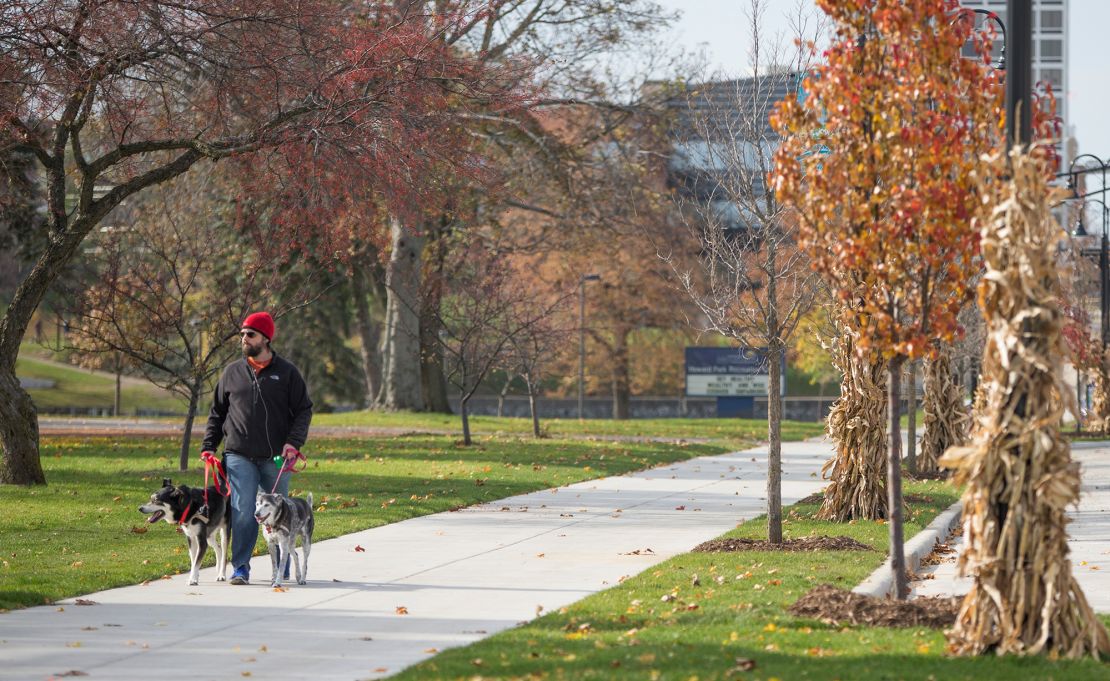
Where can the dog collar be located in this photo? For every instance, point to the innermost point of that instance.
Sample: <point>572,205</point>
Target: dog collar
<point>185,513</point>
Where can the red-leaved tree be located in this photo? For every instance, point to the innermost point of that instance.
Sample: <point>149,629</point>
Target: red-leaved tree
<point>886,215</point>
<point>114,97</point>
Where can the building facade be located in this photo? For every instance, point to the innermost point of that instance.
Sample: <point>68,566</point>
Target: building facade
<point>1050,51</point>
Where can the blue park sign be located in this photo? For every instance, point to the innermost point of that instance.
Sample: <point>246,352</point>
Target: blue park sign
<point>729,372</point>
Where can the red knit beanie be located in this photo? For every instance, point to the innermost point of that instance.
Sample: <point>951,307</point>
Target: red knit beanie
<point>261,322</point>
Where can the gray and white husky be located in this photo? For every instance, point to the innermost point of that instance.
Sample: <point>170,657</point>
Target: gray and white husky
<point>283,519</point>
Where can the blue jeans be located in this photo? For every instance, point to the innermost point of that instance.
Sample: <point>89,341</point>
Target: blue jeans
<point>247,477</point>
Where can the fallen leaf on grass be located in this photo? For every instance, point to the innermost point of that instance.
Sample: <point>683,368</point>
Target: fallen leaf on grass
<point>137,529</point>
<point>745,664</point>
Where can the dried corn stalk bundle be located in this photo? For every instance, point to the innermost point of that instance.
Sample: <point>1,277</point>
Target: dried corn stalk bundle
<point>1099,419</point>
<point>857,424</point>
<point>1018,470</point>
<point>946,418</point>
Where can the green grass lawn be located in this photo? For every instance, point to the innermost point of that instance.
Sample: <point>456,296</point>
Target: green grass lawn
<point>713,429</point>
<point>737,613</point>
<point>83,532</point>
<point>75,387</point>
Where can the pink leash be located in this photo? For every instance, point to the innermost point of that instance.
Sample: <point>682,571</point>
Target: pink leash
<point>290,466</point>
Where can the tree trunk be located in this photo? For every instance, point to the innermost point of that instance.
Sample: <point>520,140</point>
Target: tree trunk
<point>465,414</point>
<point>369,334</point>
<point>911,417</point>
<point>187,436</point>
<point>433,380</point>
<point>19,429</point>
<point>621,382</point>
<point>19,434</point>
<point>857,424</point>
<point>401,375</point>
<point>532,406</point>
<point>501,396</point>
<point>774,446</point>
<point>117,403</point>
<point>894,484</point>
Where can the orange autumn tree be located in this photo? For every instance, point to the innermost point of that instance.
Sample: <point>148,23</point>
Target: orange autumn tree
<point>886,213</point>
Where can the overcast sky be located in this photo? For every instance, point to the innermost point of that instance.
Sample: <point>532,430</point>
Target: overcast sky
<point>719,27</point>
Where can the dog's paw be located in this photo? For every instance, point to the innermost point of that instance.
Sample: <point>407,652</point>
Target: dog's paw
<point>302,582</point>
<point>276,584</point>
<point>193,582</point>
<point>221,578</point>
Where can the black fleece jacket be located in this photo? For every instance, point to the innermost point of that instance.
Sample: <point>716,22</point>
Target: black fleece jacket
<point>256,415</point>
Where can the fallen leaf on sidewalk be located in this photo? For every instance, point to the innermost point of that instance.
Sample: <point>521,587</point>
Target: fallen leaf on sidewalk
<point>85,601</point>
<point>401,610</point>
<point>72,672</point>
<point>359,549</point>
<point>680,508</point>
<point>431,651</point>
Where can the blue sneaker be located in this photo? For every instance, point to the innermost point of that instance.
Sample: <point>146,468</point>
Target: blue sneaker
<point>242,575</point>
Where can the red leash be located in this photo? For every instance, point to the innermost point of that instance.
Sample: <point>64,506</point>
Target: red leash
<point>217,468</point>
<point>290,466</point>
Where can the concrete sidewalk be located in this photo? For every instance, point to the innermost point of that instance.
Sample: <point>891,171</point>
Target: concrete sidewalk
<point>1089,535</point>
<point>457,577</point>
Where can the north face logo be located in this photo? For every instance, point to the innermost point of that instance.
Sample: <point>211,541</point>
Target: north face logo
<point>276,378</point>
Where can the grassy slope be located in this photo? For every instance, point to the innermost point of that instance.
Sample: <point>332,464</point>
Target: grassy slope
<point>77,388</point>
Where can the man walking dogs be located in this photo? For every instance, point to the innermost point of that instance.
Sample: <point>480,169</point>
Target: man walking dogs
<point>260,410</point>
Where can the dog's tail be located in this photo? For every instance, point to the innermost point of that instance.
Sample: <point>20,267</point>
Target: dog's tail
<point>309,499</point>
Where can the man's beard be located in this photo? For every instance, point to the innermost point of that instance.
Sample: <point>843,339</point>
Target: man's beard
<point>253,350</point>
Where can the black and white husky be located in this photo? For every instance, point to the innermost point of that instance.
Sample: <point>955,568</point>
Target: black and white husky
<point>182,506</point>
<point>283,519</point>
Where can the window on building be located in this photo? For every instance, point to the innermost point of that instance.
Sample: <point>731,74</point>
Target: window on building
<point>1054,77</point>
<point>1052,50</point>
<point>1052,21</point>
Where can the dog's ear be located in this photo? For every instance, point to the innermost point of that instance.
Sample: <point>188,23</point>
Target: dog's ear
<point>166,482</point>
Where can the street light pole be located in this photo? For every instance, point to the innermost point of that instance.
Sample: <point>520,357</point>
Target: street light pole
<point>582,338</point>
<point>1019,72</point>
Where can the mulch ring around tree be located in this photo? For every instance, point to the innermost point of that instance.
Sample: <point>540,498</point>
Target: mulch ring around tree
<point>838,607</point>
<point>803,544</point>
